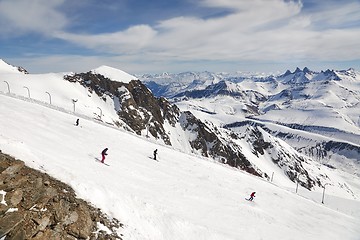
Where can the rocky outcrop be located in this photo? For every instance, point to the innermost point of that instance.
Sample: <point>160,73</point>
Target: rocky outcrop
<point>288,159</point>
<point>137,106</point>
<point>210,143</point>
<point>141,110</point>
<point>36,206</point>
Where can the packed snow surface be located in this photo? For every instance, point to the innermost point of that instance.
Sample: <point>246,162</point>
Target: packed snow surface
<point>181,196</point>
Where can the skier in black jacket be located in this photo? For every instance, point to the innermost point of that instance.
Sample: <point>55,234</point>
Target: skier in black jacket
<point>155,153</point>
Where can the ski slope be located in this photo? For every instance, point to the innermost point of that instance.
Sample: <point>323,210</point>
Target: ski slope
<point>180,197</point>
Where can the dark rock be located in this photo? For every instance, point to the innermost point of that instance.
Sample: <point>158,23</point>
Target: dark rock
<point>18,234</point>
<point>13,169</point>
<point>42,223</point>
<point>48,234</point>
<point>16,197</point>
<point>82,227</point>
<point>3,209</point>
<point>71,218</point>
<point>61,210</point>
<point>15,182</point>
<point>49,193</point>
<point>10,221</point>
<point>32,198</point>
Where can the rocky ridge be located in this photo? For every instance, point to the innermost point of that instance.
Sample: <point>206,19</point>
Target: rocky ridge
<point>36,206</point>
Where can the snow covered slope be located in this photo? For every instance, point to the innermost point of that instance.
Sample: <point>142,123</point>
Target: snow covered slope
<point>181,196</point>
<point>7,68</point>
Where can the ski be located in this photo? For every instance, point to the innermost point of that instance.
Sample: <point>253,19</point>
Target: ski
<point>101,162</point>
<point>154,159</point>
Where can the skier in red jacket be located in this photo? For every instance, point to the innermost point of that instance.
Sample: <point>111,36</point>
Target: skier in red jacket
<point>252,195</point>
<point>103,154</point>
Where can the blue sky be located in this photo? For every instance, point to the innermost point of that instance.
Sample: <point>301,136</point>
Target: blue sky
<point>142,36</point>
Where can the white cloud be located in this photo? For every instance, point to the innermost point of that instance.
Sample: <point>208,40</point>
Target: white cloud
<point>128,41</point>
<point>39,16</point>
<point>240,35</point>
<point>336,14</point>
<point>257,30</point>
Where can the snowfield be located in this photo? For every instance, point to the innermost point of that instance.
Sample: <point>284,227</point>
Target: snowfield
<point>180,197</point>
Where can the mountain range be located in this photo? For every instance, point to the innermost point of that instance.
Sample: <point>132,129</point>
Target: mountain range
<point>317,113</point>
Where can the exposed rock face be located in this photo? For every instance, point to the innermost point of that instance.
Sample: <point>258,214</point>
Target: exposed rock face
<point>319,149</point>
<point>36,206</point>
<point>23,70</point>
<point>138,107</point>
<point>141,110</point>
<point>292,163</point>
<point>210,144</point>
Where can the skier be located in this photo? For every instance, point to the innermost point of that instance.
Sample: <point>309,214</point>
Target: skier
<point>103,154</point>
<point>77,122</point>
<point>252,195</point>
<point>155,152</point>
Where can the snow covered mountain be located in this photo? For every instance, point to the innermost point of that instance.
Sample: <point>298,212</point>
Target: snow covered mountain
<point>184,195</point>
<point>323,106</point>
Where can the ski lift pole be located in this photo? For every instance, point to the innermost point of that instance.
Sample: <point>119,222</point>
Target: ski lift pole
<point>297,185</point>
<point>323,196</point>
<point>28,91</point>
<point>49,97</point>
<point>147,130</point>
<point>100,112</point>
<point>74,101</point>
<point>8,86</point>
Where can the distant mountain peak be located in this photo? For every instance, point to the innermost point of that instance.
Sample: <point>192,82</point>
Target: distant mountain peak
<point>297,77</point>
<point>297,70</point>
<point>331,75</point>
<point>306,70</point>
<point>288,72</point>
